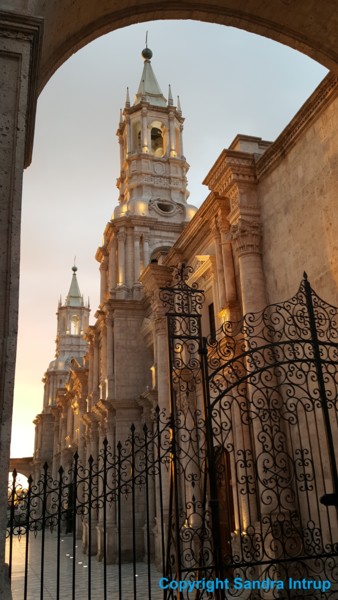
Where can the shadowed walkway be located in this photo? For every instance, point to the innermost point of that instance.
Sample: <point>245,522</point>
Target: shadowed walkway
<point>81,577</point>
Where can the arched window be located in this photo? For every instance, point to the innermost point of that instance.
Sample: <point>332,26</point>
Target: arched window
<point>157,139</point>
<point>75,325</point>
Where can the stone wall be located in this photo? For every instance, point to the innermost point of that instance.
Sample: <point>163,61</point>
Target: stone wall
<point>298,203</point>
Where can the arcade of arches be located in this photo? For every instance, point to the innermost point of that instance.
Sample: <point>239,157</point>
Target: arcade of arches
<point>36,37</point>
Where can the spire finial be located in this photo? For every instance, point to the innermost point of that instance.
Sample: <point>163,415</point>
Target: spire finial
<point>74,267</point>
<point>147,53</point>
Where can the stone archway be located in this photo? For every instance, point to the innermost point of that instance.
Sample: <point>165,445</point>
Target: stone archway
<point>309,27</point>
<point>36,37</point>
<point>22,465</point>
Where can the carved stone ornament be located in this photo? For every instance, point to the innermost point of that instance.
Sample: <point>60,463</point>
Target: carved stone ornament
<point>247,237</point>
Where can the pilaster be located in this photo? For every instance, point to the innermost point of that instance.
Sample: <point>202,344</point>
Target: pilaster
<point>20,42</point>
<point>234,177</point>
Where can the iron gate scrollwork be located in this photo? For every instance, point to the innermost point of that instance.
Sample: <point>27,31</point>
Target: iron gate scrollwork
<point>236,486</point>
<point>254,479</point>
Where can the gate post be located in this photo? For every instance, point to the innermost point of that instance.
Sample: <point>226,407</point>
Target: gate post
<point>213,501</point>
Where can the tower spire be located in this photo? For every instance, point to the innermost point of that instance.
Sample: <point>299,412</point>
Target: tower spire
<point>74,297</point>
<point>149,89</point>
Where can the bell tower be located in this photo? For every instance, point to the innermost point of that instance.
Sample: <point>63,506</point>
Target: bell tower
<point>152,204</point>
<point>72,321</point>
<point>153,167</point>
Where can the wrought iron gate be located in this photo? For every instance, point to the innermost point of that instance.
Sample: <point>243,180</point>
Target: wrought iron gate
<point>254,491</point>
<point>232,494</point>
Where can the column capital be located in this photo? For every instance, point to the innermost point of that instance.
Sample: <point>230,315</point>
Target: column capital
<point>247,237</point>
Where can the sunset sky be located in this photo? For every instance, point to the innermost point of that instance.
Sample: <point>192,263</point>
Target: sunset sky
<point>228,81</point>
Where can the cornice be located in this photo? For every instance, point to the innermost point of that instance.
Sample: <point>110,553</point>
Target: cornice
<point>151,108</point>
<point>126,306</point>
<point>231,165</point>
<point>206,269</point>
<point>155,276</point>
<point>323,95</point>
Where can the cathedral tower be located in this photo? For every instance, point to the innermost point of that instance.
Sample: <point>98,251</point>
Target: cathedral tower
<point>153,168</point>
<point>55,421</point>
<point>72,321</point>
<point>153,208</point>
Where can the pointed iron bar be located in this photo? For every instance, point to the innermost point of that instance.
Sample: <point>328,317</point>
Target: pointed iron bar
<point>44,509</point>
<point>171,494</point>
<point>220,594</point>
<point>90,460</point>
<point>105,449</point>
<point>73,496</point>
<point>174,464</point>
<point>160,486</point>
<point>58,548</point>
<point>133,504</point>
<point>119,447</point>
<point>145,429</point>
<point>28,508</point>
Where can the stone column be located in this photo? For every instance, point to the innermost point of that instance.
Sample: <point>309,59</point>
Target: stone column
<point>129,258</point>
<point>96,371</point>
<point>145,251</point>
<point>128,134</point>
<point>145,143</point>
<point>136,256</point>
<point>246,235</point>
<point>219,267</point>
<point>90,370</point>
<point>247,240</point>
<point>228,265</point>
<point>103,359</point>
<point>181,140</point>
<point>55,467</point>
<point>45,392</point>
<point>112,265</point>
<point>103,280</point>
<point>172,137</point>
<point>110,359</point>
<point>121,236</point>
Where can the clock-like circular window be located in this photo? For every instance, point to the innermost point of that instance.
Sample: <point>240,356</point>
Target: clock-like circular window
<point>165,207</point>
